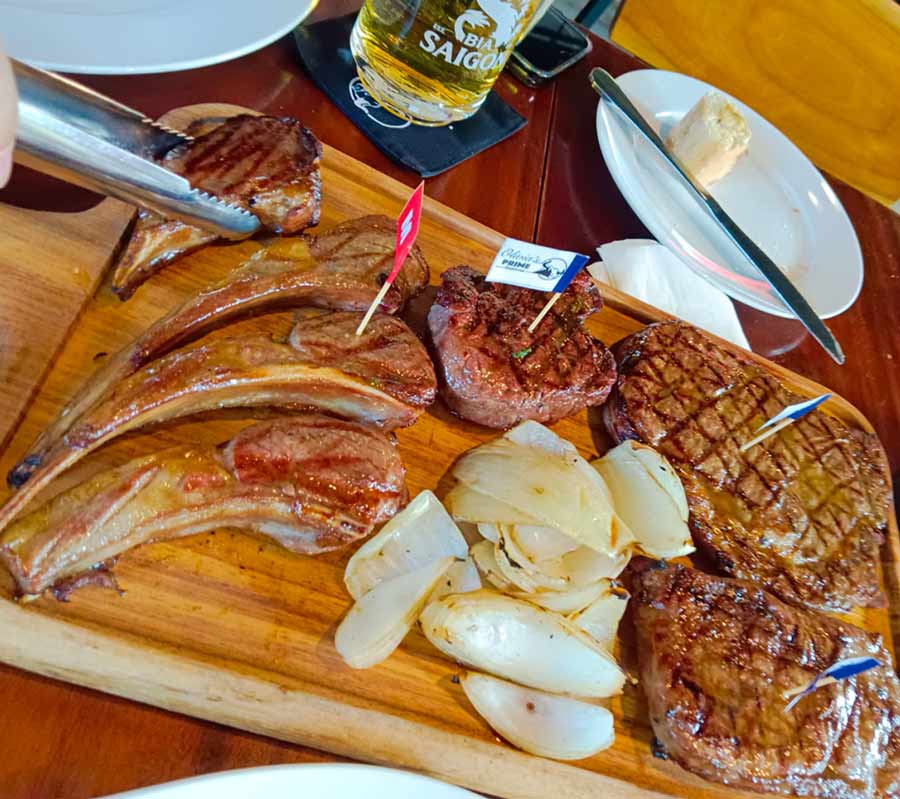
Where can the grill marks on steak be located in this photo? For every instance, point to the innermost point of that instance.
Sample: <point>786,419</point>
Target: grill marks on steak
<point>388,355</point>
<point>342,268</point>
<point>360,252</point>
<point>716,656</point>
<point>802,513</point>
<point>266,165</point>
<point>383,377</point>
<point>310,482</point>
<point>495,372</point>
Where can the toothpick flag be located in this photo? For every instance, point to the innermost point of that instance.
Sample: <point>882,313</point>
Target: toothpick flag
<point>781,420</point>
<point>837,671</point>
<point>407,230</point>
<point>531,266</point>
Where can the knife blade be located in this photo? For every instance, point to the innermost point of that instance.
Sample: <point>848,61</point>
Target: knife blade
<point>605,85</point>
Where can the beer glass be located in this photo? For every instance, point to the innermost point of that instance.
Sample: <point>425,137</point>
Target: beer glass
<point>434,61</point>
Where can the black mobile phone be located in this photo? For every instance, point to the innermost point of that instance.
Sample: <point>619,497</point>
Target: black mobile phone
<point>554,44</point>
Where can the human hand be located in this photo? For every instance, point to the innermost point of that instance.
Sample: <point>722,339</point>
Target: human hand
<point>8,117</point>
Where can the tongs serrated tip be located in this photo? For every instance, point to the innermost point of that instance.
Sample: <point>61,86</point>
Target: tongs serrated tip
<point>69,131</point>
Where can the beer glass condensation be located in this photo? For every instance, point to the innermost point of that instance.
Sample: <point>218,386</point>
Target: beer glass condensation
<point>434,61</point>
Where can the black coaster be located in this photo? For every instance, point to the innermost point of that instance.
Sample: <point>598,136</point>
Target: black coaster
<point>325,52</point>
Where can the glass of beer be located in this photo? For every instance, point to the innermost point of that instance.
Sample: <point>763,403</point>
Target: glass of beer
<point>433,62</point>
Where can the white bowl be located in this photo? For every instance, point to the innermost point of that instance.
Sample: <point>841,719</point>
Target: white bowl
<point>774,193</point>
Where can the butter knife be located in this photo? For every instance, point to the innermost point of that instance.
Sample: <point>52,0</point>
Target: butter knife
<point>74,133</point>
<point>605,85</point>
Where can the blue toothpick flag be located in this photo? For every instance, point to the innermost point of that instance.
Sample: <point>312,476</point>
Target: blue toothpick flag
<point>795,412</point>
<point>837,671</point>
<point>531,266</point>
<point>782,419</point>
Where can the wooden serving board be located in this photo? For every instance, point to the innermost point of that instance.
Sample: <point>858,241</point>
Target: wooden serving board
<point>234,629</point>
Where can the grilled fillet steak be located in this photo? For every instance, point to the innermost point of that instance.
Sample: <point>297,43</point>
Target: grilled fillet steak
<point>383,377</point>
<point>266,165</point>
<point>802,513</point>
<point>495,372</point>
<point>716,656</point>
<point>343,268</point>
<point>310,482</point>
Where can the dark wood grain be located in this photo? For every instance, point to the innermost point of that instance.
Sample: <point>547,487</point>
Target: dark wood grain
<point>65,742</point>
<point>548,182</point>
<point>582,208</point>
<point>273,81</point>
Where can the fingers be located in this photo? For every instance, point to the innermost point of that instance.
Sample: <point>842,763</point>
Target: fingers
<point>8,117</point>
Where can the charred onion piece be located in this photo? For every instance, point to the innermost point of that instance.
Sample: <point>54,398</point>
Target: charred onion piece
<point>341,269</point>
<point>310,482</point>
<point>383,377</point>
<point>267,165</point>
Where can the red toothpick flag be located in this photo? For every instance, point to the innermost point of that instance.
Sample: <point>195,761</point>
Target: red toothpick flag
<point>407,230</point>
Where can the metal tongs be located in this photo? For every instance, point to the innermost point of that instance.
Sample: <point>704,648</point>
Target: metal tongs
<point>76,134</point>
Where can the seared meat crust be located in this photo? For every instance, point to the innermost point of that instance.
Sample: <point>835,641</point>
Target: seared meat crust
<point>310,482</point>
<point>803,513</point>
<point>495,372</point>
<point>266,165</point>
<point>716,656</point>
<point>383,377</point>
<point>342,268</point>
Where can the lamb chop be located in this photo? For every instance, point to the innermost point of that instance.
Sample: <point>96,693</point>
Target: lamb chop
<point>383,377</point>
<point>342,269</point>
<point>716,658</point>
<point>803,513</point>
<point>495,372</point>
<point>266,165</point>
<point>310,482</point>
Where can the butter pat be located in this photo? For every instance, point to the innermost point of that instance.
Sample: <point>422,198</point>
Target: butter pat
<point>710,138</point>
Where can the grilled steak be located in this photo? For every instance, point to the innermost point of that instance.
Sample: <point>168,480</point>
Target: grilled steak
<point>716,656</point>
<point>311,482</point>
<point>343,268</point>
<point>802,513</point>
<point>267,165</point>
<point>387,356</point>
<point>494,372</point>
<point>383,377</point>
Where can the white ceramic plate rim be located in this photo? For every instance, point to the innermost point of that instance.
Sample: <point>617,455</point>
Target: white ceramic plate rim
<point>636,197</point>
<point>340,780</point>
<point>282,17</point>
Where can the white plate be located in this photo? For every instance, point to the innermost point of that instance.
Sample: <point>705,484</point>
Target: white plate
<point>774,193</point>
<point>318,781</point>
<point>115,37</point>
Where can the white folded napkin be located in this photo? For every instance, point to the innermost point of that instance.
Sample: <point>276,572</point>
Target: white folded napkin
<point>651,273</point>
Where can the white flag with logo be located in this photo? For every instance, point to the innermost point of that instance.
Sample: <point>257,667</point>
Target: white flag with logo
<point>531,266</point>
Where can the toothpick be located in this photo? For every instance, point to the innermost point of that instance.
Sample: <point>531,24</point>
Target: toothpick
<point>407,230</point>
<point>801,688</point>
<point>783,418</point>
<point>373,307</point>
<point>544,311</point>
<point>842,670</point>
<point>769,431</point>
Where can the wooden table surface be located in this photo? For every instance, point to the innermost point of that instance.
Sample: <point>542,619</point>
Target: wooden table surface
<point>546,183</point>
